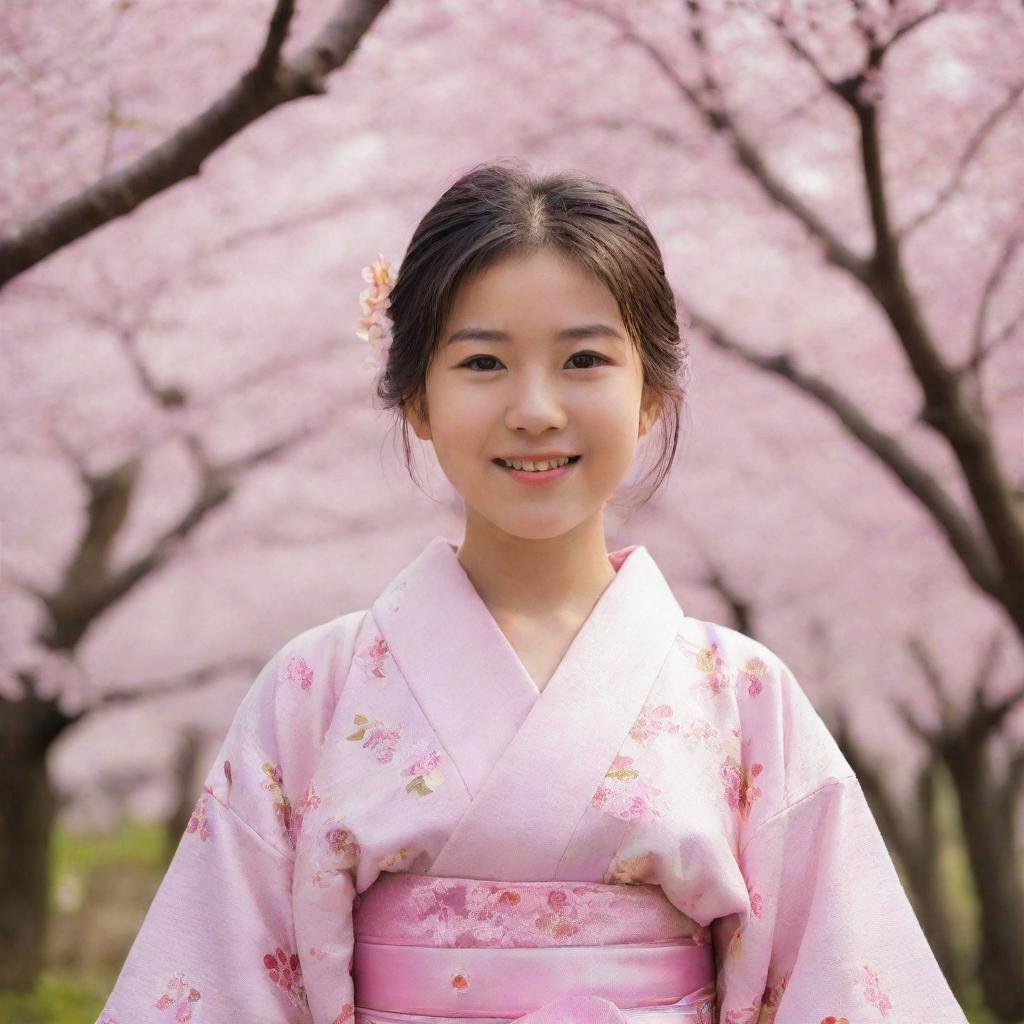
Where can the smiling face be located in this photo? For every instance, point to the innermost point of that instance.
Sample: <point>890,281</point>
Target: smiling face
<point>533,391</point>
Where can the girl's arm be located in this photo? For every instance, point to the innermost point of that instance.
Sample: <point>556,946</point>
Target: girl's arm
<point>218,941</point>
<point>830,935</point>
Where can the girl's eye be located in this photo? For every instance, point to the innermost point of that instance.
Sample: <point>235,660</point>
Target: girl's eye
<point>578,355</point>
<point>588,355</point>
<point>476,359</point>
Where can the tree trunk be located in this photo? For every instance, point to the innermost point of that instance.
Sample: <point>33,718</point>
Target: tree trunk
<point>27,814</point>
<point>921,862</point>
<point>996,873</point>
<point>188,783</point>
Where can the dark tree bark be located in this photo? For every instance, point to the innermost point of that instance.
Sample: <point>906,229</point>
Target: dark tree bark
<point>27,811</point>
<point>188,785</point>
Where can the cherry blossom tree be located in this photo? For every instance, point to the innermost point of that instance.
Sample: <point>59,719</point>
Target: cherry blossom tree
<point>836,187</point>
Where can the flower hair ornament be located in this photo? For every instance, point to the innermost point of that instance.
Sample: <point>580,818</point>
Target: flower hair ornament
<point>375,324</point>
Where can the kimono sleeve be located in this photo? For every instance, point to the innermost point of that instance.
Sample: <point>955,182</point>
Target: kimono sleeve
<point>830,934</point>
<point>217,943</point>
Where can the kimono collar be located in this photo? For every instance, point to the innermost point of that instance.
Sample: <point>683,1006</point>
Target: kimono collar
<point>482,703</point>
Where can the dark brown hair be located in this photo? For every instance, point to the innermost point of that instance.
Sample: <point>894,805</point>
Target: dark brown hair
<point>500,209</point>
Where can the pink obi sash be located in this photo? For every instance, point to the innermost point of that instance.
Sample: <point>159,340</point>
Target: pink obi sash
<point>428,949</point>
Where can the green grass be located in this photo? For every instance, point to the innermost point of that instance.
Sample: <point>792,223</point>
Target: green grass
<point>136,844</point>
<point>974,1006</point>
<point>73,997</point>
<point>58,998</point>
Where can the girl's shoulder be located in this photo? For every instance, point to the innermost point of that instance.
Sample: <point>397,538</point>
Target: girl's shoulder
<point>270,752</point>
<point>317,659</point>
<point>729,653</point>
<point>785,749</point>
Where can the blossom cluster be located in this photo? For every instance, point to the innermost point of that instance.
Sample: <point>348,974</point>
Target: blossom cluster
<point>375,324</point>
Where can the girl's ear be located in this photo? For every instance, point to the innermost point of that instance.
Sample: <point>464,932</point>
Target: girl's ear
<point>416,414</point>
<point>649,414</point>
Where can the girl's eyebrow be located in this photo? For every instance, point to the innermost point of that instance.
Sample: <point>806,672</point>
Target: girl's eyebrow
<point>596,330</point>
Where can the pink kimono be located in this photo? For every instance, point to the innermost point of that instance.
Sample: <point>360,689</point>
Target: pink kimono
<point>399,827</point>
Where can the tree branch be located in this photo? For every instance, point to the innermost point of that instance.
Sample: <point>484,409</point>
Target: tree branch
<point>166,687</point>
<point>970,151</point>
<point>717,118</point>
<point>946,407</point>
<point>962,538</point>
<point>801,51</point>
<point>88,587</point>
<point>894,825</point>
<point>270,83</point>
<point>981,346</point>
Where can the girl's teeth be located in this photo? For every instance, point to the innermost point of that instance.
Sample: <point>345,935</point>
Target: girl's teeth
<point>537,467</point>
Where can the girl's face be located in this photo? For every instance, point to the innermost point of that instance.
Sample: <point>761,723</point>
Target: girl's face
<point>521,389</point>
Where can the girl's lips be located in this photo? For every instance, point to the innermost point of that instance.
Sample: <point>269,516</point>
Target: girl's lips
<point>535,478</point>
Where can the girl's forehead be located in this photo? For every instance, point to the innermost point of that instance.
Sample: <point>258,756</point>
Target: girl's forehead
<point>539,287</point>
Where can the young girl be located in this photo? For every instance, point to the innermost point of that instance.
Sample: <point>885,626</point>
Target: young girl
<point>525,784</point>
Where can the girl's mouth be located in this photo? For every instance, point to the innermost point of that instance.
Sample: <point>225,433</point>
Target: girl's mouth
<point>535,477</point>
